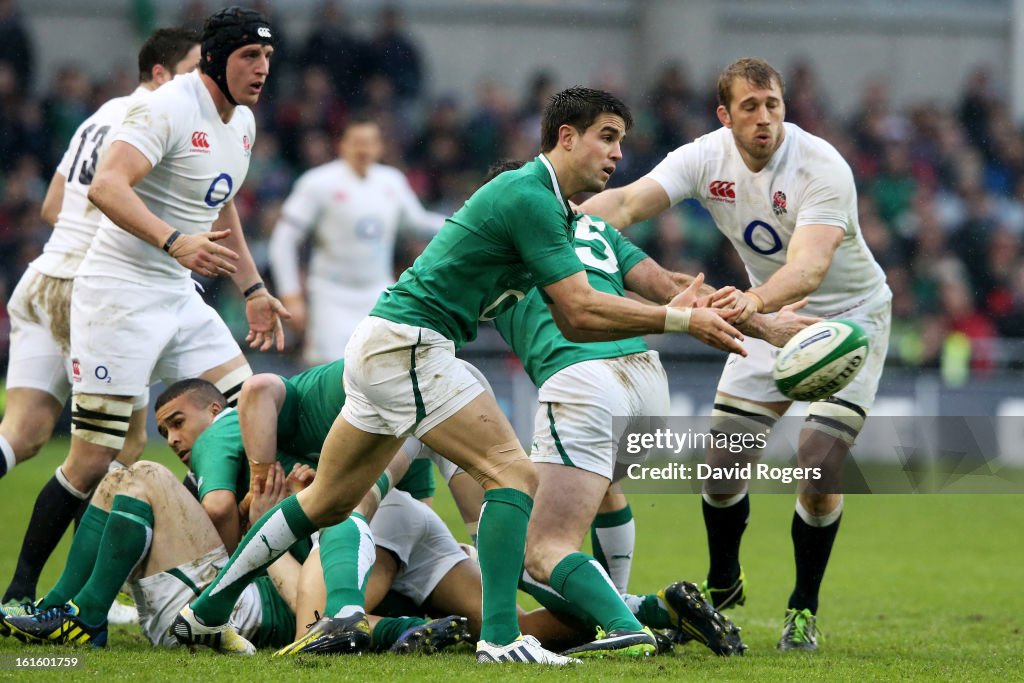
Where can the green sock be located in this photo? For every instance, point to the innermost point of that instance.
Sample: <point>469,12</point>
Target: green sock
<point>125,542</point>
<point>613,537</point>
<point>266,541</point>
<point>550,600</point>
<point>501,544</point>
<point>85,544</point>
<point>347,554</point>
<point>649,610</point>
<point>386,632</point>
<point>584,583</point>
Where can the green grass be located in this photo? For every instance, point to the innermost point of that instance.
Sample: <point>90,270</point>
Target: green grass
<point>920,587</point>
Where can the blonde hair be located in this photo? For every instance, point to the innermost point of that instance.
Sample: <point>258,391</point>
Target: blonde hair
<point>752,69</point>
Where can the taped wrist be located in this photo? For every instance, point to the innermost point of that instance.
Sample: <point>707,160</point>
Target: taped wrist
<point>677,319</point>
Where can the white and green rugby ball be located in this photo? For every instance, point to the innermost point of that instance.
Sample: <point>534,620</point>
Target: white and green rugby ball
<point>820,360</point>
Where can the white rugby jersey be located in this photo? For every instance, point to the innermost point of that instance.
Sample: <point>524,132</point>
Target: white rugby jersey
<point>199,164</point>
<point>806,182</point>
<point>78,219</point>
<point>354,220</point>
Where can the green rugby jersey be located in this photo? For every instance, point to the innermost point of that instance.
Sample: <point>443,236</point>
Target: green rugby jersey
<point>512,234</point>
<point>218,458</point>
<point>531,331</point>
<point>313,400</point>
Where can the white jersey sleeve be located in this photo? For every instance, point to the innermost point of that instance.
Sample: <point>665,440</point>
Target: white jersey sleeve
<point>828,197</point>
<point>679,173</point>
<point>414,216</point>
<point>298,215</point>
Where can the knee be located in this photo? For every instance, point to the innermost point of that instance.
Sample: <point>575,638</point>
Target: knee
<point>85,467</point>
<point>820,504</point>
<point>325,508</point>
<point>26,439</point>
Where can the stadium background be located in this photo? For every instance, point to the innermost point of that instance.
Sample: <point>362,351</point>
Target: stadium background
<point>923,97</point>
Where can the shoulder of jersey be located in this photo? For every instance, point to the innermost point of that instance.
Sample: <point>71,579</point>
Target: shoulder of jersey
<point>813,147</point>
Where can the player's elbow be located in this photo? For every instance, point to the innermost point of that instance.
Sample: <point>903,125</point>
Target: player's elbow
<point>262,388</point>
<point>100,190</point>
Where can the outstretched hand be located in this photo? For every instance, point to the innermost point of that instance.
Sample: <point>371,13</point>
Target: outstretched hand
<point>201,254</point>
<point>787,322</point>
<point>264,313</point>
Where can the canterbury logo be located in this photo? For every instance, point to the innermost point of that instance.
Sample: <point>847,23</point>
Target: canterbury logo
<point>263,32</point>
<point>722,189</point>
<point>199,140</point>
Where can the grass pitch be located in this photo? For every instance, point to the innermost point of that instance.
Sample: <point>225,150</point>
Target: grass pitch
<point>920,587</point>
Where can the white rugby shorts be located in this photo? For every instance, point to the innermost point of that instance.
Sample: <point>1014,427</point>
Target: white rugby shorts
<point>124,336</point>
<point>161,596</point>
<point>751,377</point>
<point>402,380</point>
<point>574,422</point>
<point>425,548</point>
<point>39,310</point>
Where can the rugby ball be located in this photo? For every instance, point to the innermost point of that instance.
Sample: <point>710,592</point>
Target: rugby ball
<point>820,360</point>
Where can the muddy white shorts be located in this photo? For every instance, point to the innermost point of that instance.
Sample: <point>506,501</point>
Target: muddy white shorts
<point>574,423</point>
<point>403,380</point>
<point>123,336</point>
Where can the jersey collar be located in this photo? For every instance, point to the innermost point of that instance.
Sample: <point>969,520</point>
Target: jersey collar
<point>226,411</point>
<point>555,186</point>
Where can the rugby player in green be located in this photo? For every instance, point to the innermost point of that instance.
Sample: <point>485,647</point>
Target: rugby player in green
<point>583,387</point>
<point>294,415</point>
<point>402,377</point>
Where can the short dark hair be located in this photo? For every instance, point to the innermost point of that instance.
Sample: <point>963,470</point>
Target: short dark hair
<point>201,390</point>
<point>756,71</point>
<point>166,47</point>
<point>499,167</point>
<point>578,107</point>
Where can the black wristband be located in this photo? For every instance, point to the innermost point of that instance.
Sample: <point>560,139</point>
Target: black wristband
<point>252,290</point>
<point>170,240</point>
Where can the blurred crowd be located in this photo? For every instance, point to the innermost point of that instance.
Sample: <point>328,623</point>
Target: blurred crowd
<point>941,189</point>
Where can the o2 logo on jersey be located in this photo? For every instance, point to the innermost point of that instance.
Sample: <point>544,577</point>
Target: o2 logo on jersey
<point>220,190</point>
<point>369,228</point>
<point>762,238</point>
<point>505,301</point>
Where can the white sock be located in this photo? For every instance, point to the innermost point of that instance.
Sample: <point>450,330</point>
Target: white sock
<point>8,453</point>
<point>617,544</point>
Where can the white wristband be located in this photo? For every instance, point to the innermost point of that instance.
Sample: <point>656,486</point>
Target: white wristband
<point>677,319</point>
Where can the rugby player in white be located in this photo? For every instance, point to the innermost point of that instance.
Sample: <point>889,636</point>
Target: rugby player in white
<point>179,157</point>
<point>354,206</point>
<point>38,376</point>
<point>787,201</point>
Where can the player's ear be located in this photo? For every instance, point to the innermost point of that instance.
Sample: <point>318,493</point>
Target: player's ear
<point>567,136</point>
<point>215,408</point>
<point>723,116</point>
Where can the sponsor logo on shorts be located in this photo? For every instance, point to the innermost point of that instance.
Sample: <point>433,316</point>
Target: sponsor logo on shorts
<point>722,191</point>
<point>200,142</point>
